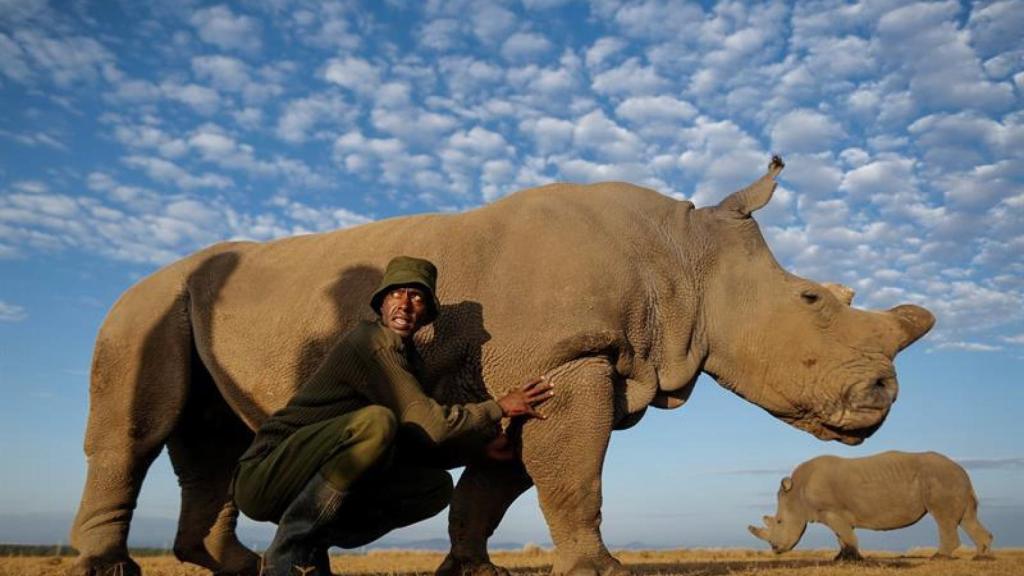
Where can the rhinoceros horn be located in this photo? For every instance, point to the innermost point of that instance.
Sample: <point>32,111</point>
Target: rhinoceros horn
<point>744,202</point>
<point>914,321</point>
<point>842,293</point>
<point>758,532</point>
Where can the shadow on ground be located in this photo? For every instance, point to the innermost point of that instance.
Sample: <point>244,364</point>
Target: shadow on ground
<point>706,568</point>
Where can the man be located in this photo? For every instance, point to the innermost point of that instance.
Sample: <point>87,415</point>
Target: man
<point>323,467</point>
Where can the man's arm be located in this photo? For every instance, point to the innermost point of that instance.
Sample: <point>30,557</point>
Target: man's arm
<point>392,384</point>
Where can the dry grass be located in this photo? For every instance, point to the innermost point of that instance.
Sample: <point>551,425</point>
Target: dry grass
<point>697,562</point>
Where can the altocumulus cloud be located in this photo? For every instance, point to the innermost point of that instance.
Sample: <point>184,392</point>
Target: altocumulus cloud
<point>169,128</point>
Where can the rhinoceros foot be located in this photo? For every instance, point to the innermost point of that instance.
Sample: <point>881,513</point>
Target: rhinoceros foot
<point>100,566</point>
<point>456,566</point>
<point>849,555</point>
<point>607,567</point>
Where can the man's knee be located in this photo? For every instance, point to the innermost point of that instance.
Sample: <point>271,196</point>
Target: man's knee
<point>374,425</point>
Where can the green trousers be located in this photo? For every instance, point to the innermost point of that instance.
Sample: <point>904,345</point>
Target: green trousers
<point>356,453</point>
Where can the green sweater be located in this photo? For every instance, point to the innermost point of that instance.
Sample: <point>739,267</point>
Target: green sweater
<point>372,365</point>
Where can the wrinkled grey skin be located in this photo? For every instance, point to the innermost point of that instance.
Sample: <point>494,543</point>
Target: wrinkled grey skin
<point>619,295</point>
<point>882,492</point>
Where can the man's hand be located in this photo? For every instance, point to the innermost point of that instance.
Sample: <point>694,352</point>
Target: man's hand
<point>521,402</point>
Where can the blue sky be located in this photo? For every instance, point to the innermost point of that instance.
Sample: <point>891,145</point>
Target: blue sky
<point>134,133</point>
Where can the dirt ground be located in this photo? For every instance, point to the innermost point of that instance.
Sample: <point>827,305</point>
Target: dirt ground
<point>697,562</point>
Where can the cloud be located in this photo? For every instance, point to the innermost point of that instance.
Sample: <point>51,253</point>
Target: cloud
<point>355,74</point>
<point>656,116</point>
<point>221,27</point>
<point>27,54</point>
<point>232,75</point>
<point>166,171</point>
<point>722,156</point>
<point>602,137</point>
<point>957,141</point>
<point>602,49</point>
<point>806,131</point>
<point>549,134</point>
<point>203,100</point>
<point>883,177</point>
<point>653,19</point>
<point>327,25</point>
<point>224,72</point>
<point>442,34</point>
<point>148,228</point>
<point>525,46</point>
<point>491,23</point>
<point>943,71</point>
<point>301,118</point>
<point>991,463</point>
<point>996,26</point>
<point>11,312</point>
<point>968,346</point>
<point>413,125</point>
<point>36,138</point>
<point>629,78</point>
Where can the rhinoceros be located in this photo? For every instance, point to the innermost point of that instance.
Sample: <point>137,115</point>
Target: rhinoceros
<point>620,295</point>
<point>885,491</point>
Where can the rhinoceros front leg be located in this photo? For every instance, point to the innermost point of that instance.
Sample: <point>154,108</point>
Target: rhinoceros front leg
<point>564,455</point>
<point>483,494</point>
<point>848,550</point>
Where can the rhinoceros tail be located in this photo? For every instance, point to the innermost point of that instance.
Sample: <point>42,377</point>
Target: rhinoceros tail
<point>981,537</point>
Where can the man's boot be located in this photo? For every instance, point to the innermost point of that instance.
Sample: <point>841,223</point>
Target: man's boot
<point>297,548</point>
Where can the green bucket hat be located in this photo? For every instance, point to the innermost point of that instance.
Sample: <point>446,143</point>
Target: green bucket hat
<point>406,270</point>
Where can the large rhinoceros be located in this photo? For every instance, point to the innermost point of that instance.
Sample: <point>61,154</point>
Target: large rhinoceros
<point>885,491</point>
<point>621,295</point>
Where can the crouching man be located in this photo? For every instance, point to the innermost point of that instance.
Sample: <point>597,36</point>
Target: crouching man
<point>325,466</point>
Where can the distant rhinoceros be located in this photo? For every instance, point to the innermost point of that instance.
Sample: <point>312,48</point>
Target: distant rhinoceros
<point>621,295</point>
<point>886,491</point>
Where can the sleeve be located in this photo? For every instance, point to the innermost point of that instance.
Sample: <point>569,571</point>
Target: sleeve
<point>391,383</point>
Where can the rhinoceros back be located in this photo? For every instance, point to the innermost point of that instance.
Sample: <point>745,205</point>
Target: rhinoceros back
<point>516,278</point>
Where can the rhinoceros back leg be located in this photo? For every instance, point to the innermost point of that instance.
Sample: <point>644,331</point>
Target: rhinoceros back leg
<point>483,494</point>
<point>204,448</point>
<point>137,391</point>
<point>564,455</point>
<point>949,535</point>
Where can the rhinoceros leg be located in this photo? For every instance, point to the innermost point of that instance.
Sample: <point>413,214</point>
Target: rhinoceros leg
<point>564,455</point>
<point>483,494</point>
<point>204,448</point>
<point>139,378</point>
<point>848,548</point>
<point>949,537</point>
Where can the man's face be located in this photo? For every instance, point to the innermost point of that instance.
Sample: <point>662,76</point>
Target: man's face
<point>404,309</point>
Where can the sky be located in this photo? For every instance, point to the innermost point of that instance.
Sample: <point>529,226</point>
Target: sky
<point>134,133</point>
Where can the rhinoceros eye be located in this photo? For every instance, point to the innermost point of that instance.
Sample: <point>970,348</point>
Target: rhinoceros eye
<point>810,297</point>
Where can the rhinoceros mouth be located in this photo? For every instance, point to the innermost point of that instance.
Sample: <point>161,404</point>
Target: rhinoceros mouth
<point>851,437</point>
<point>843,432</point>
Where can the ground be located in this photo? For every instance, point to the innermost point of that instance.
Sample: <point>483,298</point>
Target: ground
<point>702,562</point>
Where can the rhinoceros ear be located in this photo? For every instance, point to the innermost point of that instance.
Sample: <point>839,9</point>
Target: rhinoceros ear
<point>743,202</point>
<point>787,484</point>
